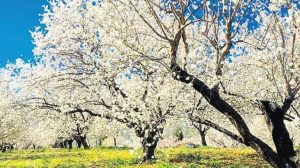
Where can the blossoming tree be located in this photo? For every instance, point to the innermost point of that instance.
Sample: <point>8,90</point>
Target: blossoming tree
<point>213,40</point>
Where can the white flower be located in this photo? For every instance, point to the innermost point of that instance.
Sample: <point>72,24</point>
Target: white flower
<point>292,82</point>
<point>235,1</point>
<point>273,7</point>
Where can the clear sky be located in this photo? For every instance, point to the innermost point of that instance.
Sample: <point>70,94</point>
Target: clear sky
<point>17,17</point>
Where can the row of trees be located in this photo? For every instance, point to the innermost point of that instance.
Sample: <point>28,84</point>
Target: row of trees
<point>143,62</point>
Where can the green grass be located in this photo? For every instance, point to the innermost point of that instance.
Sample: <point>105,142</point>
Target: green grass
<point>125,158</point>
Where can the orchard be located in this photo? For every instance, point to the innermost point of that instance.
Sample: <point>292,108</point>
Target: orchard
<point>150,75</point>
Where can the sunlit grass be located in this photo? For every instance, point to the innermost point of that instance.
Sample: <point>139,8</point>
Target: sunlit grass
<point>126,158</point>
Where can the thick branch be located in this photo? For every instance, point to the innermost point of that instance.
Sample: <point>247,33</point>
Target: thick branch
<point>223,130</point>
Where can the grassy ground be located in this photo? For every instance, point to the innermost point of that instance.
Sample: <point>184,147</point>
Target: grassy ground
<point>122,157</point>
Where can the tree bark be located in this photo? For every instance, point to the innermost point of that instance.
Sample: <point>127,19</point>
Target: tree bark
<point>203,138</point>
<point>65,144</point>
<point>149,144</point>
<point>70,143</point>
<point>78,141</point>
<point>115,141</point>
<point>3,148</point>
<point>84,142</point>
<point>214,99</point>
<point>100,142</point>
<point>202,129</point>
<point>149,151</point>
<point>61,144</point>
<point>81,141</point>
<point>274,116</point>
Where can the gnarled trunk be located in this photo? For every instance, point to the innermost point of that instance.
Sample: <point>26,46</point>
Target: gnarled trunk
<point>149,151</point>
<point>149,144</point>
<point>274,116</point>
<point>81,141</point>
<point>84,142</point>
<point>213,98</point>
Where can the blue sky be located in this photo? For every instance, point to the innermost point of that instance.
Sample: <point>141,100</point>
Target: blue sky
<point>17,17</point>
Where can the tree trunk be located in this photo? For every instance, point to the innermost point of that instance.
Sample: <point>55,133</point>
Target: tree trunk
<point>65,143</point>
<point>84,142</point>
<point>281,138</point>
<point>61,144</point>
<point>202,129</point>
<point>78,141</point>
<point>10,147</point>
<point>213,98</point>
<point>148,151</point>
<point>70,143</point>
<point>3,148</point>
<point>100,142</point>
<point>56,145</point>
<point>115,141</point>
<point>203,137</point>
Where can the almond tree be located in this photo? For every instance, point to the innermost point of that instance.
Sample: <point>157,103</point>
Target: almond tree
<point>143,109</point>
<point>11,121</point>
<point>172,36</point>
<point>223,41</point>
<point>137,99</point>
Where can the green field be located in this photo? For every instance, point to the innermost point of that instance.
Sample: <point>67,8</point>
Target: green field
<point>123,157</point>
